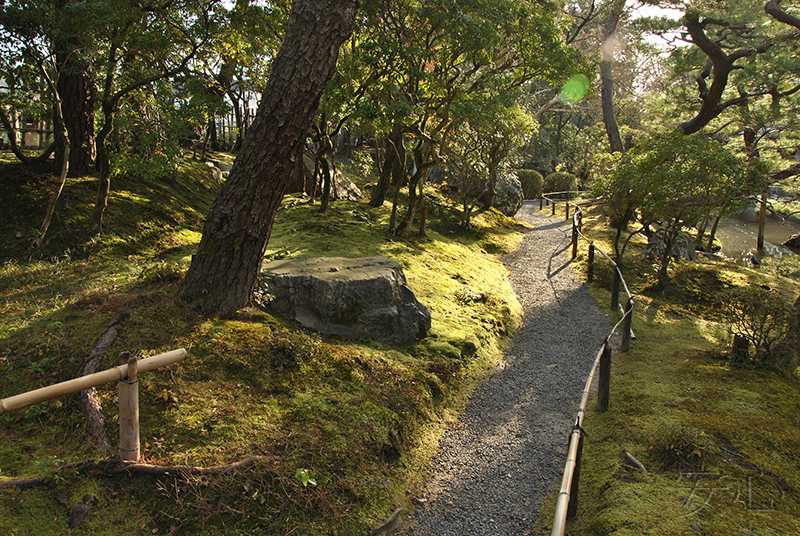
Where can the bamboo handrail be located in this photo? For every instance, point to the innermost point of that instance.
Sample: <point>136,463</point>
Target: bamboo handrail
<point>85,382</point>
<point>571,466</point>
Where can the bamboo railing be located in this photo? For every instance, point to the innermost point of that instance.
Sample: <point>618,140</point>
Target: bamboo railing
<point>567,502</point>
<point>127,377</point>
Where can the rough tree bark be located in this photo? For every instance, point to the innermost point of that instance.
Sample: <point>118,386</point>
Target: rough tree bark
<point>224,269</point>
<point>77,92</point>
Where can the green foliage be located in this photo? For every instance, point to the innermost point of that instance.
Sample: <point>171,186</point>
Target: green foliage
<point>560,181</point>
<point>765,319</point>
<point>673,182</point>
<point>532,183</point>
<point>682,445</point>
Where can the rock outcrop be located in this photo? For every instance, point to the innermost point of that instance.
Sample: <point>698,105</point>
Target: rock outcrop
<point>366,297</point>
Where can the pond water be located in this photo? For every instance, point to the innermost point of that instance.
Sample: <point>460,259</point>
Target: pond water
<point>739,235</point>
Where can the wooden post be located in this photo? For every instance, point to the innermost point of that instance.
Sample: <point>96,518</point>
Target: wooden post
<point>580,220</point>
<point>541,203</point>
<point>566,205</point>
<point>626,326</point>
<point>603,386</point>
<point>762,220</point>
<point>590,271</point>
<point>574,239</point>
<point>572,509</point>
<point>129,414</point>
<point>554,206</point>
<point>615,289</point>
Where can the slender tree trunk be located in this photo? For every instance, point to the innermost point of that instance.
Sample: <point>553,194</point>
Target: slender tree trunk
<point>395,158</point>
<point>51,207</point>
<point>224,269</point>
<point>15,148</point>
<point>607,77</point>
<point>104,170</point>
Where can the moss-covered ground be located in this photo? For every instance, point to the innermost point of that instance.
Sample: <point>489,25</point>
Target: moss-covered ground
<point>675,387</point>
<point>359,418</point>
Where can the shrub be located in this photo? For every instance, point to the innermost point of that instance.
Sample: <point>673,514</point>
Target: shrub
<point>560,182</point>
<point>762,317</point>
<point>681,444</point>
<point>532,183</point>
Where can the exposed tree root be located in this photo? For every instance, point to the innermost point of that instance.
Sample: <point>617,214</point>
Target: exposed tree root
<point>89,398</point>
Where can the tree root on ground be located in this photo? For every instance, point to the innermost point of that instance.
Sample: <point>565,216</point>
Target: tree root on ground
<point>89,398</point>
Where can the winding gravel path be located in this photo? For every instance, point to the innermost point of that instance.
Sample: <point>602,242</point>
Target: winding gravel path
<point>507,449</point>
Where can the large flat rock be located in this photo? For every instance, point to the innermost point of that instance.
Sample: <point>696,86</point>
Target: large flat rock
<point>367,297</point>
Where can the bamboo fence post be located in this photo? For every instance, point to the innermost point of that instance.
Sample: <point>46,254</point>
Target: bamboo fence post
<point>129,414</point>
<point>553,201</point>
<point>615,289</point>
<point>574,239</point>
<point>541,202</point>
<point>603,386</point>
<point>590,269</point>
<point>626,326</point>
<point>43,394</point>
<point>580,220</point>
<point>572,509</point>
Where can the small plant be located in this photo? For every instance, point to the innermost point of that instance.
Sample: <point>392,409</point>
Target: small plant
<point>302,475</point>
<point>162,272</point>
<point>760,316</point>
<point>681,444</point>
<point>467,296</point>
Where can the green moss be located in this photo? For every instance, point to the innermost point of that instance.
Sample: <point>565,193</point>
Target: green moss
<point>677,375</point>
<point>361,417</point>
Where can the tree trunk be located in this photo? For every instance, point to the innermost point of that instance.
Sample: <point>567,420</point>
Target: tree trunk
<point>104,169</point>
<point>77,92</point>
<point>607,77</point>
<point>224,269</point>
<point>393,164</point>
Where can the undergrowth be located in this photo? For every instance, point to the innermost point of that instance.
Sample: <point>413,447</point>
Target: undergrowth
<point>718,441</point>
<point>358,418</point>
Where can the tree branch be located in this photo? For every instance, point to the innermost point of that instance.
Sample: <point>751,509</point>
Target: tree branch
<point>772,8</point>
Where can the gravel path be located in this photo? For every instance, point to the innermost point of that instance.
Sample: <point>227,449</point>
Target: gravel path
<point>507,450</point>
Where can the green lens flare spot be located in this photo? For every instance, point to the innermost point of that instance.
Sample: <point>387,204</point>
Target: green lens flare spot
<point>575,89</point>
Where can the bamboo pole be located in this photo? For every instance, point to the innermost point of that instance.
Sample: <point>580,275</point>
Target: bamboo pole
<point>615,289</point>
<point>626,326</point>
<point>603,387</point>
<point>129,414</point>
<point>562,503</point>
<point>85,382</point>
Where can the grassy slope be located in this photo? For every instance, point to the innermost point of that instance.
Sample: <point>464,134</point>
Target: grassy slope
<point>676,375</point>
<point>361,417</point>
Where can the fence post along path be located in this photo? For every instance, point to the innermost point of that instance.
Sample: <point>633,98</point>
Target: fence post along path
<point>567,502</point>
<point>126,375</point>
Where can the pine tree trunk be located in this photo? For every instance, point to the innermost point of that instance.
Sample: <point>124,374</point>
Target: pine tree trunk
<point>226,265</point>
<point>77,92</point>
<point>607,76</point>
